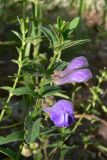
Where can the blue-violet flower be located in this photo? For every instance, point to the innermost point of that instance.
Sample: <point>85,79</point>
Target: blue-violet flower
<point>61,113</point>
<point>76,71</point>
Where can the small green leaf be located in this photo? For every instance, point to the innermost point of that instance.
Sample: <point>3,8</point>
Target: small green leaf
<point>23,90</point>
<point>7,88</point>
<point>6,43</point>
<point>59,22</point>
<point>50,94</point>
<point>104,108</point>
<point>51,37</point>
<point>61,65</point>
<point>49,90</point>
<point>58,94</point>
<point>8,152</point>
<point>44,82</point>
<point>17,34</point>
<point>32,129</point>
<point>73,24</point>
<point>69,43</point>
<point>13,137</point>
<point>14,61</point>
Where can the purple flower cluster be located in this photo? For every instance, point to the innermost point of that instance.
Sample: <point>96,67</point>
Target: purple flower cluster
<point>75,72</point>
<point>62,112</point>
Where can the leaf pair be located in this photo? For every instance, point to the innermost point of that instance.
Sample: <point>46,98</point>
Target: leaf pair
<point>32,129</point>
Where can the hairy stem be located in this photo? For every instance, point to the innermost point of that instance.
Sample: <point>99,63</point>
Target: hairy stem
<point>53,59</point>
<point>14,86</point>
<point>87,116</point>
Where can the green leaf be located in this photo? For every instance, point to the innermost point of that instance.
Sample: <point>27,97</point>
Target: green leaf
<point>23,90</point>
<point>51,37</point>
<point>17,34</point>
<point>59,22</point>
<point>20,91</point>
<point>50,94</point>
<point>14,61</point>
<point>44,82</point>
<point>54,32</point>
<point>61,65</point>
<point>102,148</point>
<point>6,43</point>
<point>104,108</point>
<point>64,28</point>
<point>8,152</point>
<point>73,24</point>
<point>56,93</point>
<point>49,90</point>
<point>69,43</point>
<point>59,94</point>
<point>13,137</point>
<point>7,88</point>
<point>32,129</point>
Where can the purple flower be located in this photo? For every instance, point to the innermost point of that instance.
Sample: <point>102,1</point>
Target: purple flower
<point>61,113</point>
<point>76,71</point>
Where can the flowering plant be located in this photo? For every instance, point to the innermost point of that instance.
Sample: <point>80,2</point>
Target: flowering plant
<point>62,113</point>
<point>45,90</point>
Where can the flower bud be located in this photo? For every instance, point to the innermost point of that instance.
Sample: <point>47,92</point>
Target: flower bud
<point>26,151</point>
<point>50,100</point>
<point>44,103</point>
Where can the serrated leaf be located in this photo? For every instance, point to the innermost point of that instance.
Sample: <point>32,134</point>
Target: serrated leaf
<point>32,129</point>
<point>13,137</point>
<point>73,24</point>
<point>8,152</point>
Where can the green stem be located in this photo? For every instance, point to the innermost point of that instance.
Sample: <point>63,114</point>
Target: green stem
<point>104,14</point>
<point>14,86</point>
<point>36,108</point>
<point>79,121</point>
<point>18,73</point>
<point>24,10</point>
<point>13,125</point>
<point>81,8</point>
<point>53,59</point>
<point>36,24</point>
<point>59,56</point>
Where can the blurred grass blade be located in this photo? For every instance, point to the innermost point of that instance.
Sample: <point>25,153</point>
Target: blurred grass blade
<point>13,137</point>
<point>8,152</point>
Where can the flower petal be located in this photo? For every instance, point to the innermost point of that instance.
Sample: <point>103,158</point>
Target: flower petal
<point>60,106</point>
<point>58,119</point>
<point>76,63</point>
<point>62,120</point>
<point>80,75</point>
<point>61,113</point>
